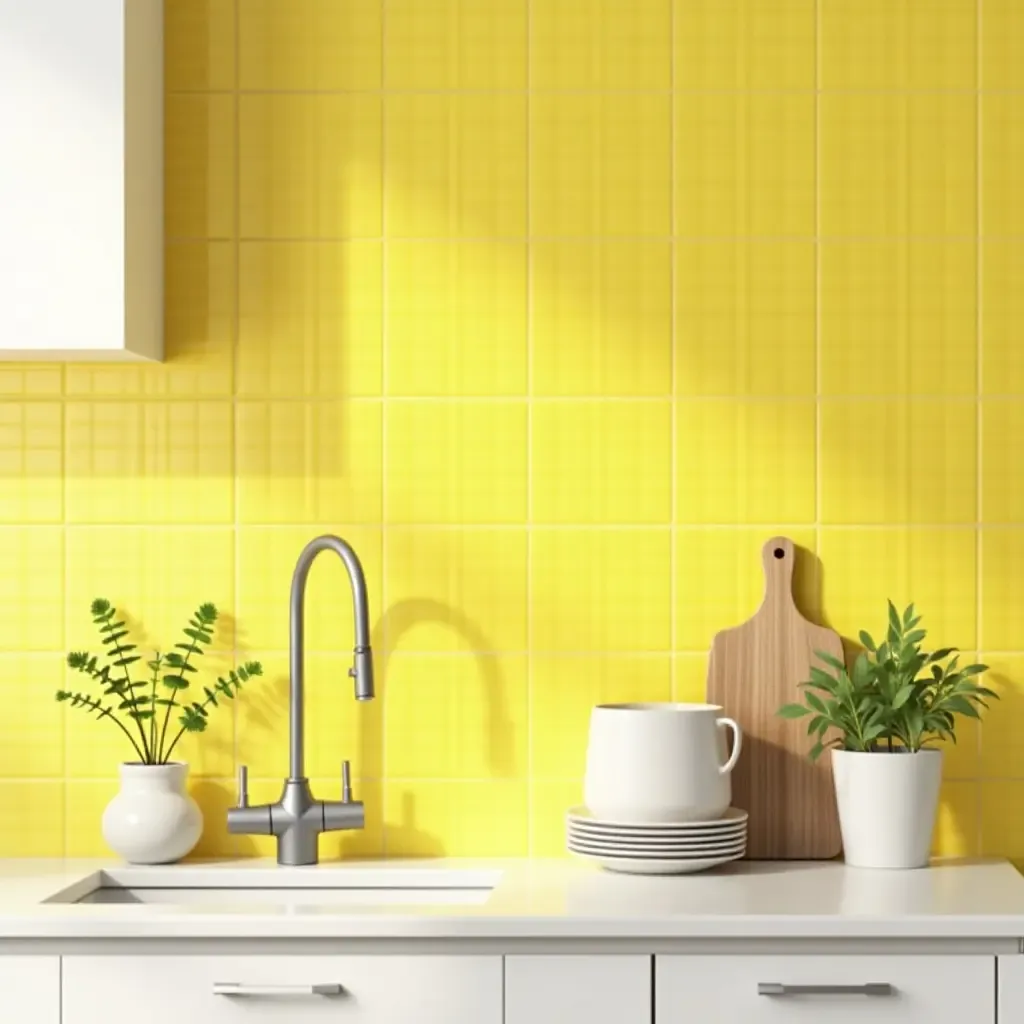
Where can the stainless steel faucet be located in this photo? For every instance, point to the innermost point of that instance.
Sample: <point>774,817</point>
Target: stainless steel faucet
<point>297,819</point>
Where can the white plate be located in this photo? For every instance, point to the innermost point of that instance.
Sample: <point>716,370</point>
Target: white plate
<point>583,828</point>
<point>732,817</point>
<point>680,852</point>
<point>681,847</point>
<point>645,866</point>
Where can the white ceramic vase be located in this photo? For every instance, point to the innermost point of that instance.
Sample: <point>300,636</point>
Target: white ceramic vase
<point>887,805</point>
<point>152,820</point>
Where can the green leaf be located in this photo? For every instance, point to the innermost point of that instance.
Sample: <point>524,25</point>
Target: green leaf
<point>100,606</point>
<point>903,694</point>
<point>915,637</point>
<point>831,660</point>
<point>210,696</point>
<point>895,624</point>
<point>130,660</point>
<point>815,702</point>
<point>173,682</point>
<point>908,615</point>
<point>865,639</point>
<point>816,751</point>
<point>793,711</point>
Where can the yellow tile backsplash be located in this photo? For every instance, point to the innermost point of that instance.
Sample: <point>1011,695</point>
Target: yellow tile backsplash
<point>555,309</point>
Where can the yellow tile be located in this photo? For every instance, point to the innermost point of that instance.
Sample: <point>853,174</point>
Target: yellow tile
<point>897,164</point>
<point>199,333</point>
<point>745,462</point>
<point>31,462</point>
<point>85,804</point>
<point>31,380</point>
<point>456,819</point>
<point>311,166</point>
<point>310,44</point>
<point>456,318</point>
<point>720,583</point>
<point>601,462</point>
<point>31,819</point>
<point>32,598</point>
<point>933,568</point>
<point>337,727</point>
<point>600,590</point>
<point>456,462</point>
<point>1002,820</point>
<point>455,590</point>
<point>310,319</point>
<point>1002,163</point>
<point>564,689</point>
<point>744,164</point>
<point>214,798</point>
<point>1001,554</point>
<point>879,44</point>
<point>745,318</point>
<point>956,823</point>
<point>899,318</point>
<point>456,716</point>
<point>156,577</point>
<point>744,44</point>
<point>309,462</point>
<point>549,801</point>
<point>1002,489</point>
<point>168,462</point>
<point>266,561</point>
<point>898,462</point>
<point>455,44</point>
<point>601,318</point>
<point>199,44</point>
<point>601,44</point>
<point>364,842</point>
<point>200,166</point>
<point>456,165</point>
<point>1002,43</point>
<point>1002,318</point>
<point>1001,754</point>
<point>600,164</point>
<point>32,736</point>
<point>690,678</point>
<point>962,756</point>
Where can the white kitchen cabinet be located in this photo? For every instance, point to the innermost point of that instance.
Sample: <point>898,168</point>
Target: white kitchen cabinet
<point>923,989</point>
<point>30,989</point>
<point>1011,989</point>
<point>81,179</point>
<point>281,989</point>
<point>578,989</point>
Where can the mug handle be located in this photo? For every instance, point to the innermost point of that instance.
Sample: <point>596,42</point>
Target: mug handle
<point>737,744</point>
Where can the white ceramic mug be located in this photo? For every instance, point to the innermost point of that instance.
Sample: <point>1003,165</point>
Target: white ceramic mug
<point>659,762</point>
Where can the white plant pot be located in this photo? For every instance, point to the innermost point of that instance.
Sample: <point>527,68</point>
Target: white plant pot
<point>152,820</point>
<point>887,804</point>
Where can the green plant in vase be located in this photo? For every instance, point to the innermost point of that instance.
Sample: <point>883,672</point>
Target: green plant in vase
<point>152,819</point>
<point>897,699</point>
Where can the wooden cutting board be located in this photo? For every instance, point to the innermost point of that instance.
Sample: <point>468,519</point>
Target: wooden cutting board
<point>754,669</point>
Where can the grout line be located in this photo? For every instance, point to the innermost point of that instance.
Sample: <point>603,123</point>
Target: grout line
<point>236,333</point>
<point>529,438</point>
<point>888,90</point>
<point>673,368</point>
<point>979,510</point>
<point>583,240</point>
<point>383,427</point>
<point>817,291</point>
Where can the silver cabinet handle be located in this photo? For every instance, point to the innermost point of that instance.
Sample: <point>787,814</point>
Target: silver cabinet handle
<point>236,988</point>
<point>774,988</point>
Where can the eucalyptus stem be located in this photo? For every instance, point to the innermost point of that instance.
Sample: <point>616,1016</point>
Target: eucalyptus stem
<point>121,652</point>
<point>156,665</point>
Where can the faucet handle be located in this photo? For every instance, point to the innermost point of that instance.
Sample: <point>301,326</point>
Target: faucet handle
<point>346,782</point>
<point>243,786</point>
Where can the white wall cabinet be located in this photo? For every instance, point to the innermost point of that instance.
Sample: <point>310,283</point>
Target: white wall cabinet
<point>578,990</point>
<point>30,989</point>
<point>81,179</point>
<point>817,989</point>
<point>281,989</point>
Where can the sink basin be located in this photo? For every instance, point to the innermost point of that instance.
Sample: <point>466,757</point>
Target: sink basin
<point>284,887</point>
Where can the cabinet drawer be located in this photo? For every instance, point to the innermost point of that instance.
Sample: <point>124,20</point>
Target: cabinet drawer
<point>279,989</point>
<point>923,989</point>
<point>30,989</point>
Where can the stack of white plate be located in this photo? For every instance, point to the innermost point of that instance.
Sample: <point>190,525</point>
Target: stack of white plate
<point>664,848</point>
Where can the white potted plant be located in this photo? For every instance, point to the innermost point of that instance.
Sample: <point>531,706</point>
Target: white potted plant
<point>879,719</point>
<point>152,820</point>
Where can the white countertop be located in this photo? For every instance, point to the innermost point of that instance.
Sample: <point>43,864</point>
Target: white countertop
<point>531,900</point>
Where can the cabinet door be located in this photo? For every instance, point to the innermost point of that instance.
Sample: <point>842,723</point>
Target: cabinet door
<point>282,989</point>
<point>30,989</point>
<point>825,989</point>
<point>578,990</point>
<point>1011,989</point>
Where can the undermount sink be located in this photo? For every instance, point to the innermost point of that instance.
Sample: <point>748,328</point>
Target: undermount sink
<point>344,887</point>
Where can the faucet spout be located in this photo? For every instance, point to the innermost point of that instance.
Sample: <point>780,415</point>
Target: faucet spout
<point>362,665</point>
